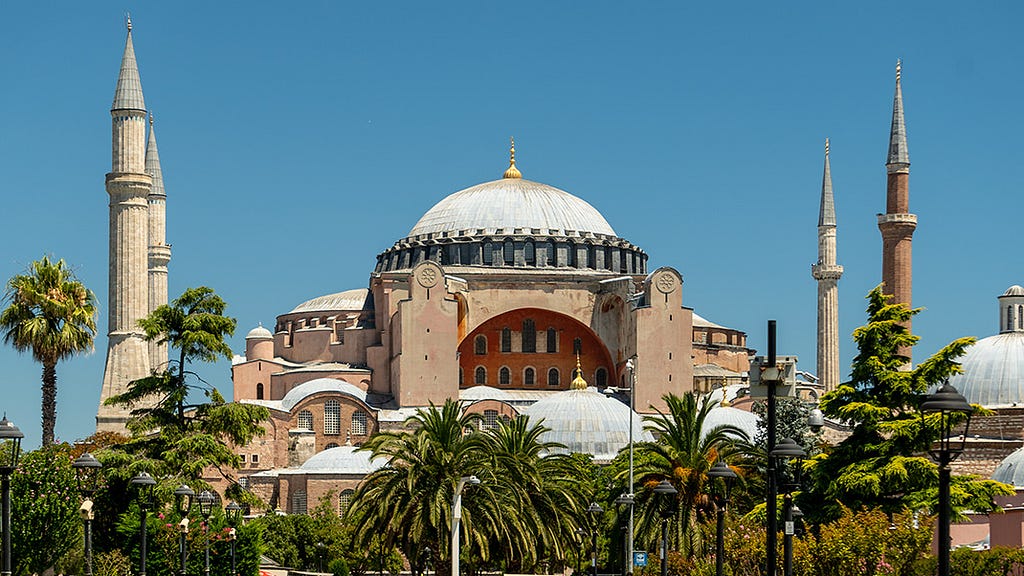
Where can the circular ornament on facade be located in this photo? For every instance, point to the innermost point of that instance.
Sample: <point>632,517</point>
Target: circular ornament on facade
<point>427,277</point>
<point>665,283</point>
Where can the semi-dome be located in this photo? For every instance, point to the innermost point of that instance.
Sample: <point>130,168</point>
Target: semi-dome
<point>315,386</point>
<point>477,393</point>
<point>502,206</point>
<point>343,460</point>
<point>259,332</point>
<point>993,371</point>
<point>357,299</point>
<point>1011,469</point>
<point>588,422</point>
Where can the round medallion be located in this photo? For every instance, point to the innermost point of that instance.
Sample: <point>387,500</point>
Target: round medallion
<point>428,277</point>
<point>666,283</point>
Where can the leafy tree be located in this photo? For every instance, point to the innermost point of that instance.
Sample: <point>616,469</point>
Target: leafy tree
<point>791,422</point>
<point>882,462</point>
<point>53,315</point>
<point>44,504</point>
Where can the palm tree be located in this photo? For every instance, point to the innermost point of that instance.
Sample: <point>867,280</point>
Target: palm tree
<point>52,314</point>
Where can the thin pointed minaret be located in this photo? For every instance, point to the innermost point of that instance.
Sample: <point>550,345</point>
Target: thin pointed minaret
<point>827,273</point>
<point>159,250</point>
<point>897,224</point>
<point>129,187</point>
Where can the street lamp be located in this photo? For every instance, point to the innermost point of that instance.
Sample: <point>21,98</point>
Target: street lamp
<point>183,503</point>
<point>10,444</point>
<point>666,489</point>
<point>320,554</point>
<point>721,470</point>
<point>144,483</point>
<point>786,450</point>
<point>626,499</point>
<point>579,553</point>
<point>457,518</point>
<point>234,513</point>
<point>206,502</point>
<point>427,556</point>
<point>86,467</point>
<point>595,511</point>
<point>949,405</point>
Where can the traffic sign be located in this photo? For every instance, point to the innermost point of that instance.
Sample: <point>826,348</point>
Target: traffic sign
<point>639,558</point>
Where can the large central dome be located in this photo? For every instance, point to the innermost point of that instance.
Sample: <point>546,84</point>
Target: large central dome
<point>510,204</point>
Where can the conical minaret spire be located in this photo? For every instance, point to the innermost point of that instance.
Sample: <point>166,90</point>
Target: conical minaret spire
<point>898,153</point>
<point>128,94</point>
<point>159,250</point>
<point>827,273</point>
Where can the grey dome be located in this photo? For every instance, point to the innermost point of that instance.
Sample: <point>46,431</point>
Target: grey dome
<point>343,460</point>
<point>477,393</point>
<point>588,422</point>
<point>1014,290</point>
<point>259,332</point>
<point>347,300</point>
<point>307,389</point>
<point>727,415</point>
<point>993,371</point>
<point>1011,469</point>
<point>512,203</point>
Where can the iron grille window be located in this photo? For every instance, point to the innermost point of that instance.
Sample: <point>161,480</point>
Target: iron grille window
<point>332,417</point>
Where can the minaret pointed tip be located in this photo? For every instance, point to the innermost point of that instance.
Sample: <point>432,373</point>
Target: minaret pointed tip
<point>827,213</point>
<point>128,93</point>
<point>899,156</point>
<point>128,21</point>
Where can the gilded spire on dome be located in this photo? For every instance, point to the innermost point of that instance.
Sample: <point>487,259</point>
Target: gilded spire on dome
<point>512,171</point>
<point>578,383</point>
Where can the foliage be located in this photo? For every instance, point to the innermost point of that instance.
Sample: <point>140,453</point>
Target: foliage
<point>111,563</point>
<point>791,422</point>
<point>881,463</point>
<point>291,540</point>
<point>994,562</point>
<point>44,504</point>
<point>53,315</point>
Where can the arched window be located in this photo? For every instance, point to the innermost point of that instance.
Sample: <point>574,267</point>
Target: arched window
<point>529,377</point>
<point>331,445</point>
<point>553,377</point>
<point>571,255</point>
<point>506,339</point>
<point>504,376</point>
<point>601,377</point>
<point>1020,317</point>
<point>488,252</point>
<point>591,256</point>
<point>480,376</point>
<point>359,423</point>
<point>305,420</point>
<point>552,340</point>
<point>529,336</point>
<point>259,391</point>
<point>577,346</point>
<point>530,253</point>
<point>480,345</point>
<point>549,250</point>
<point>299,502</point>
<point>344,499</point>
<point>510,253</point>
<point>1009,317</point>
<point>332,418</point>
<point>490,418</point>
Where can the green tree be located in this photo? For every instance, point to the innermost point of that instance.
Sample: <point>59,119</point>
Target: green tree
<point>882,462</point>
<point>44,505</point>
<point>53,315</point>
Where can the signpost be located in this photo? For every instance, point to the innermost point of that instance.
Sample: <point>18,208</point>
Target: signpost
<point>639,558</point>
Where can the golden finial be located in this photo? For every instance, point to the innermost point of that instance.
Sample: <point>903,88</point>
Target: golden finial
<point>578,383</point>
<point>512,171</point>
<point>151,125</point>
<point>725,402</point>
<point>826,146</point>
<point>899,68</point>
<point>128,20</point>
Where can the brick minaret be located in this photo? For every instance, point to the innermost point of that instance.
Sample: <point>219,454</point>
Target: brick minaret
<point>159,250</point>
<point>827,273</point>
<point>897,224</point>
<point>129,187</point>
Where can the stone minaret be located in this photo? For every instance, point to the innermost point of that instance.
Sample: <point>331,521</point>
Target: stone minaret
<point>129,187</point>
<point>827,273</point>
<point>897,224</point>
<point>159,250</point>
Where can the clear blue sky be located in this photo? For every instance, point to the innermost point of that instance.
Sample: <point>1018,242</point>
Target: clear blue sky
<point>300,140</point>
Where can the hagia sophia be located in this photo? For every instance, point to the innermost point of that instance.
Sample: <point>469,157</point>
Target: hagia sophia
<point>512,297</point>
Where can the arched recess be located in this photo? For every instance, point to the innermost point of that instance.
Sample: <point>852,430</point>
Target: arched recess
<point>594,354</point>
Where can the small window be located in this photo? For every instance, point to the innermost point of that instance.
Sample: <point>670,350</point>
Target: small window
<point>332,418</point>
<point>299,502</point>
<point>577,346</point>
<point>509,253</point>
<point>243,481</point>
<point>552,341</point>
<point>488,253</point>
<point>601,378</point>
<point>241,458</point>
<point>1009,317</point>
<point>529,336</point>
<point>504,376</point>
<point>305,420</point>
<point>530,254</point>
<point>506,339</point>
<point>553,377</point>
<point>480,376</point>
<point>255,458</point>
<point>331,445</point>
<point>339,332</point>
<point>1020,317</point>
<point>480,345</point>
<point>529,377</point>
<point>359,423</point>
<point>461,377</point>
<point>259,391</point>
<point>344,500</point>
<point>490,418</point>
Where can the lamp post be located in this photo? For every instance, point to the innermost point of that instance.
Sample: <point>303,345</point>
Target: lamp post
<point>86,467</point>
<point>457,518</point>
<point>665,488</point>
<point>144,483</point>
<point>427,556</point>
<point>787,450</point>
<point>579,553</point>
<point>206,502</point>
<point>234,513</point>
<point>626,499</point>
<point>721,470</point>
<point>320,554</point>
<point>183,503</point>
<point>10,444</point>
<point>595,511</point>
<point>631,365</point>
<point>949,405</point>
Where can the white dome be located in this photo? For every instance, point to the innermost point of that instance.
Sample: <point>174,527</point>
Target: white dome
<point>347,300</point>
<point>259,332</point>
<point>727,415</point>
<point>1011,469</point>
<point>588,422</point>
<point>512,203</point>
<point>1014,290</point>
<point>307,389</point>
<point>477,393</point>
<point>993,371</point>
<point>343,460</point>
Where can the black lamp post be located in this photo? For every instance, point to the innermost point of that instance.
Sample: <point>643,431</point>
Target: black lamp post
<point>626,500</point>
<point>595,512</point>
<point>785,451</point>
<point>427,556</point>
<point>721,470</point>
<point>234,513</point>
<point>665,488</point>
<point>949,405</point>
<point>579,556</point>
<point>206,502</point>
<point>183,503</point>
<point>320,546</point>
<point>86,468</point>
<point>10,449</point>
<point>144,483</point>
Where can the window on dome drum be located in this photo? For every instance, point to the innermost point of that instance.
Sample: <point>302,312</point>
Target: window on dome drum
<point>331,445</point>
<point>490,418</point>
<point>480,345</point>
<point>464,253</point>
<point>359,423</point>
<point>529,336</point>
<point>529,377</point>
<point>506,339</point>
<point>549,252</point>
<point>344,499</point>
<point>1020,317</point>
<point>259,391</point>
<point>510,253</point>
<point>530,254</point>
<point>577,346</point>
<point>480,376</point>
<point>299,502</point>
<point>571,256</point>
<point>305,420</point>
<point>553,377</point>
<point>1009,317</point>
<point>552,341</point>
<point>504,376</point>
<point>339,332</point>
<point>591,256</point>
<point>488,253</point>
<point>601,378</point>
<point>332,418</point>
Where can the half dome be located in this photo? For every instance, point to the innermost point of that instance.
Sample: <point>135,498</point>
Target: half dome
<point>307,389</point>
<point>358,299</point>
<point>588,422</point>
<point>343,460</point>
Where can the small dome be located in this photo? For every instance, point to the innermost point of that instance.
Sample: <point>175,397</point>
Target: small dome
<point>259,333</point>
<point>358,299</point>
<point>343,460</point>
<point>993,371</point>
<point>1014,290</point>
<point>727,415</point>
<point>1011,469</point>
<point>307,389</point>
<point>477,393</point>
<point>588,422</point>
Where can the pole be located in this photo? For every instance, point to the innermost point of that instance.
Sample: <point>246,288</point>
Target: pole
<point>593,549</point>
<point>664,547</point>
<point>88,546</point>
<point>944,513</point>
<point>6,513</point>
<point>142,536</point>
<point>206,532</point>
<point>787,538</point>
<point>183,550</point>
<point>631,364</point>
<point>720,541</point>
<point>773,491</point>
<point>233,571</point>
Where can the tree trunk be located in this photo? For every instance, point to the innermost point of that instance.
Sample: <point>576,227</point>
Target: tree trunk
<point>49,401</point>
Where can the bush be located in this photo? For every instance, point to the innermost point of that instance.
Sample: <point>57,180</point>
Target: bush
<point>339,567</point>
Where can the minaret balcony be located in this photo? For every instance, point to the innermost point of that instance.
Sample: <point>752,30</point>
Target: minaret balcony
<point>826,271</point>
<point>897,219</point>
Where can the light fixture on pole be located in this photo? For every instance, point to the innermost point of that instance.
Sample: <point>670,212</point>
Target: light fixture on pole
<point>595,511</point>
<point>10,449</point>
<point>320,547</point>
<point>666,489</point>
<point>86,468</point>
<point>206,502</point>
<point>786,450</point>
<point>234,514</point>
<point>427,557</point>
<point>721,470</point>
<point>457,518</point>
<point>579,552</point>
<point>951,407</point>
<point>183,503</point>
<point>145,484</point>
<point>626,500</point>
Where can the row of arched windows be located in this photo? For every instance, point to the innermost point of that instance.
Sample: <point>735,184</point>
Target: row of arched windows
<point>527,340</point>
<point>332,420</point>
<point>530,376</point>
